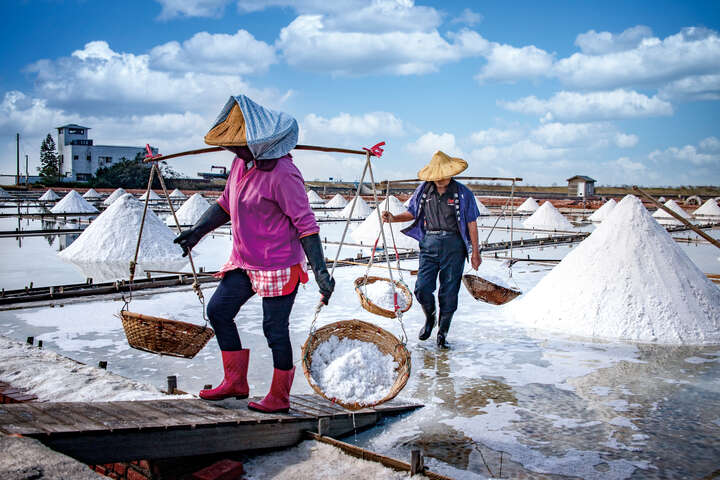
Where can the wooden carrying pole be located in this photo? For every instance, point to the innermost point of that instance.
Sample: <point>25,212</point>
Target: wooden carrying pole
<point>675,215</point>
<point>507,179</point>
<point>221,149</point>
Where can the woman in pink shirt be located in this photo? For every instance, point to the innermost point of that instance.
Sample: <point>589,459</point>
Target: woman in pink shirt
<point>273,230</point>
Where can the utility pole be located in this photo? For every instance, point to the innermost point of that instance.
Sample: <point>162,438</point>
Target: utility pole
<point>27,173</point>
<point>17,147</point>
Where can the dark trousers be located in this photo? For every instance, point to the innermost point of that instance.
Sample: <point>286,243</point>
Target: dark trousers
<point>441,255</point>
<point>233,291</point>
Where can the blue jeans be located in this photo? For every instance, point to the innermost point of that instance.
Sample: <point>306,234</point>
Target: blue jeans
<point>441,255</point>
<point>233,291</point>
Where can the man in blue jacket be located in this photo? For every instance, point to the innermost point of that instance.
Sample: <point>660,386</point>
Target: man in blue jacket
<point>444,214</point>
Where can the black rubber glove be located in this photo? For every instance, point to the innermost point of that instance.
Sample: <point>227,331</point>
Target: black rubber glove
<point>315,255</point>
<point>213,217</point>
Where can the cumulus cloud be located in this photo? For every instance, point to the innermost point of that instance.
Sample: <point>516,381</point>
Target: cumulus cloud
<point>427,144</point>
<point>495,136</point>
<point>517,153</point>
<point>192,8</point>
<point>707,153</point>
<point>606,105</point>
<point>239,53</point>
<point>624,140</point>
<point>506,63</point>
<point>710,144</point>
<point>593,134</point>
<point>468,17</point>
<point>695,88</point>
<point>344,124</point>
<point>628,165</point>
<point>598,43</point>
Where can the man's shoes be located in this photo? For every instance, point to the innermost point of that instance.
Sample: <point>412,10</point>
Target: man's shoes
<point>443,327</point>
<point>429,324</point>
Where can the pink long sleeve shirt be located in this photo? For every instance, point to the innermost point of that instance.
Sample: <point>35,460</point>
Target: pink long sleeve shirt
<point>269,213</point>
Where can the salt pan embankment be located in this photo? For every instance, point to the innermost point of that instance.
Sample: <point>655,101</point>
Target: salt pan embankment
<point>547,217</point>
<point>628,280</point>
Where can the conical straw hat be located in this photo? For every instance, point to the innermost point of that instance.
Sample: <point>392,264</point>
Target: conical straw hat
<point>442,166</point>
<point>230,132</point>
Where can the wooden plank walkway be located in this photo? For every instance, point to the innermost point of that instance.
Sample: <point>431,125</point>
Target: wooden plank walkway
<point>104,432</point>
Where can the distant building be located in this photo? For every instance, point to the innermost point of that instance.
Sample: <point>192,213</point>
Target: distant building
<point>581,186</point>
<point>79,159</point>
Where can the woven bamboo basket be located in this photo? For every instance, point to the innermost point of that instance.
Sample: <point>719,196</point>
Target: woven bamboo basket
<point>386,342</point>
<point>377,310</point>
<point>163,336</point>
<point>488,291</point>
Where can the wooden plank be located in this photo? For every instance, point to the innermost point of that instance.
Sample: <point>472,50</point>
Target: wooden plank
<point>107,416</point>
<point>69,414</point>
<point>13,422</point>
<point>320,401</point>
<point>156,417</point>
<point>39,418</point>
<point>306,405</point>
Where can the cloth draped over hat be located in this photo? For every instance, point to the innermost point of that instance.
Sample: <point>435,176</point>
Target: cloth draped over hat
<point>442,166</point>
<point>267,133</point>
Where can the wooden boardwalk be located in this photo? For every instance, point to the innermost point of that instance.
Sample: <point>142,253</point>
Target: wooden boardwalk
<point>104,432</point>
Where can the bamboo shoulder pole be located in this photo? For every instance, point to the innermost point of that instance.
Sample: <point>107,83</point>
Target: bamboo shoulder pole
<point>675,215</point>
<point>199,151</point>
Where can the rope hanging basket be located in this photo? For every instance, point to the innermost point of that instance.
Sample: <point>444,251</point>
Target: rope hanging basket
<point>368,305</point>
<point>166,337</point>
<point>488,291</point>
<point>385,341</point>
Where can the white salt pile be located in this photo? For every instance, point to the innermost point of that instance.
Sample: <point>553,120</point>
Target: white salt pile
<point>547,217</point>
<point>177,194</point>
<point>482,208</point>
<point>368,231</point>
<point>709,209</point>
<point>190,211</point>
<point>661,214</point>
<point>528,206</point>
<point>153,196</point>
<point>630,280</point>
<point>313,197</point>
<point>91,195</point>
<point>114,196</point>
<point>73,202</point>
<point>352,371</point>
<point>361,210</point>
<point>49,196</point>
<point>111,239</point>
<point>338,201</point>
<point>4,194</point>
<point>382,294</point>
<point>602,213</point>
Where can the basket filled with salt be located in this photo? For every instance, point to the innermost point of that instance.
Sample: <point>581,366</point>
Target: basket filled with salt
<point>166,337</point>
<point>377,295</point>
<point>489,291</point>
<point>355,364</point>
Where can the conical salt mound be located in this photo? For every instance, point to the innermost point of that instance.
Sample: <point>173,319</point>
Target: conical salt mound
<point>112,237</point>
<point>547,217</point>
<point>153,196</point>
<point>708,209</point>
<point>630,280</point>
<point>49,196</point>
<point>338,201</point>
<point>91,195</point>
<point>4,194</point>
<point>528,206</point>
<point>190,211</point>
<point>73,202</point>
<point>114,196</point>
<point>361,210</point>
<point>368,231</point>
<point>602,213</point>
<point>177,194</point>
<point>313,197</point>
<point>482,208</point>
<point>666,218</point>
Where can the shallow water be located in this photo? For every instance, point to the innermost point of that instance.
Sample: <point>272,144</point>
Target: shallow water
<point>548,405</point>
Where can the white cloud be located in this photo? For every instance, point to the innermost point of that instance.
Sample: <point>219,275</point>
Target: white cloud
<point>239,54</point>
<point>506,63</point>
<point>495,136</point>
<point>594,134</point>
<point>427,144</point>
<point>624,140</point>
<point>468,17</point>
<point>628,165</point>
<point>517,153</point>
<point>708,154</point>
<point>366,125</point>
<point>692,51</point>
<point>598,43</point>
<point>192,8</point>
<point>710,144</point>
<point>575,106</point>
<point>699,87</point>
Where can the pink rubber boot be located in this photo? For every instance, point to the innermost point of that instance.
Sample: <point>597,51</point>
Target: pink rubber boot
<point>235,364</point>
<point>278,399</point>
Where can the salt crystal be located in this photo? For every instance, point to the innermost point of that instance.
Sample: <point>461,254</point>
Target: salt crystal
<point>190,211</point>
<point>382,294</point>
<point>629,279</point>
<point>352,371</point>
<point>49,196</point>
<point>73,202</point>
<point>666,218</point>
<point>153,196</point>
<point>529,205</point>
<point>114,196</point>
<point>547,217</point>
<point>361,210</point>
<point>602,213</point>
<point>91,194</point>
<point>708,209</point>
<point>368,231</point>
<point>177,194</point>
<point>314,197</point>
<point>338,201</point>
<point>482,208</point>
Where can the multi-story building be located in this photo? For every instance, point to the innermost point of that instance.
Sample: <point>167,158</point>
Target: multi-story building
<point>79,158</point>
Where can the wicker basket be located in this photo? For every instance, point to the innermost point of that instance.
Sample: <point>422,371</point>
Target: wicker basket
<point>386,342</point>
<point>163,336</point>
<point>370,306</point>
<point>488,291</point>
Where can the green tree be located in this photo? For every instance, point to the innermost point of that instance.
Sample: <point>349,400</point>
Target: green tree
<point>49,167</point>
<point>130,174</point>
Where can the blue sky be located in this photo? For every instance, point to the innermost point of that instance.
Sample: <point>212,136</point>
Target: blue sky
<point>626,92</point>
